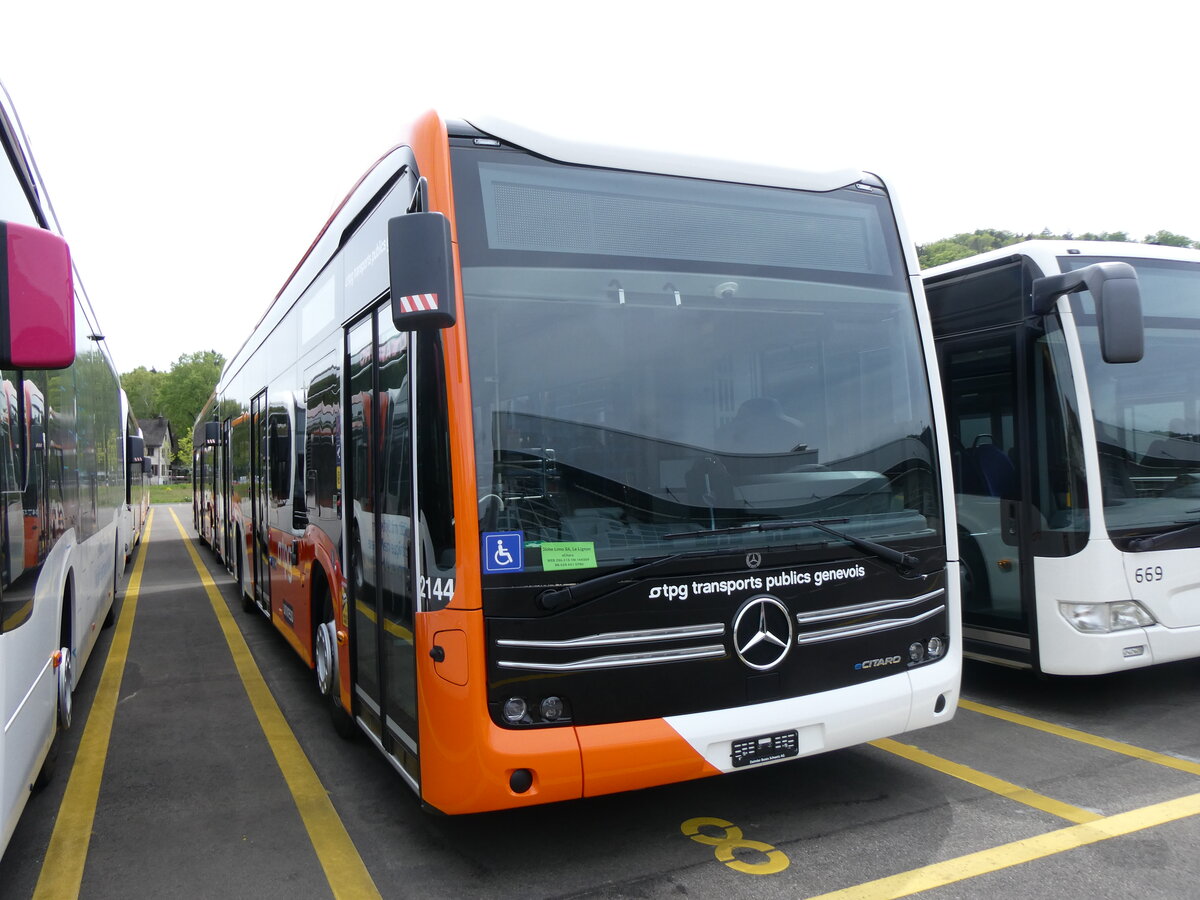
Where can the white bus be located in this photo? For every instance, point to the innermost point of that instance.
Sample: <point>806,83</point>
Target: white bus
<point>62,485</point>
<point>1075,438</point>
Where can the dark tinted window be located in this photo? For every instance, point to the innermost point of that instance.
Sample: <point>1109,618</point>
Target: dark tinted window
<point>972,301</point>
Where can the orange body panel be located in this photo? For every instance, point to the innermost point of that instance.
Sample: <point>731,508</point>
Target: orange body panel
<point>466,759</point>
<point>431,147</point>
<point>630,755</point>
<point>287,587</point>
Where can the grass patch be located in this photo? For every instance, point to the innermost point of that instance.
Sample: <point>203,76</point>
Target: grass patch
<point>171,493</point>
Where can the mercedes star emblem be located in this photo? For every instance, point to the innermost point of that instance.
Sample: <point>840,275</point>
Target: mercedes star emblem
<point>753,560</point>
<point>762,632</point>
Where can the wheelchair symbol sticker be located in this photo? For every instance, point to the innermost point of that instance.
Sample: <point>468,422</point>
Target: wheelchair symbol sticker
<point>503,551</point>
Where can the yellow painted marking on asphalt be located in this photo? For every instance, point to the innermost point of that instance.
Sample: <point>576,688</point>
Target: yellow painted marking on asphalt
<point>394,628</point>
<point>62,869</point>
<point>344,868</point>
<point>989,782</point>
<point>19,615</point>
<point>1083,737</point>
<point>1006,855</point>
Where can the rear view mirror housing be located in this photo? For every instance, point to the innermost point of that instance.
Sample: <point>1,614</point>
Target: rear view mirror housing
<point>37,299</point>
<point>421,262</point>
<point>137,450</point>
<point>1114,287</point>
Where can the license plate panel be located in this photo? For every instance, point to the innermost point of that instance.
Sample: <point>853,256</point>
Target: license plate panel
<point>764,748</point>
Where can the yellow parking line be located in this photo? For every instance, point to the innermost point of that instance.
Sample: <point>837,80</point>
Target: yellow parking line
<point>1002,857</point>
<point>62,869</point>
<point>1083,737</point>
<point>344,868</point>
<point>989,782</point>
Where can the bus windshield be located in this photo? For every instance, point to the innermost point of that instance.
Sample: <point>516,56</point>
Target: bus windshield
<point>657,362</point>
<point>1147,414</point>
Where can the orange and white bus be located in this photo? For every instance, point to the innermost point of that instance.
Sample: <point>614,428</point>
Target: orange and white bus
<point>61,479</point>
<point>573,470</point>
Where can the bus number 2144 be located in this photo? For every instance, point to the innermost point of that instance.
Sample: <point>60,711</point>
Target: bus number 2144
<point>441,588</point>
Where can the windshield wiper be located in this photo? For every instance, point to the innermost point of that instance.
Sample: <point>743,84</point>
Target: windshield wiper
<point>575,594</point>
<point>898,558</point>
<point>592,588</point>
<point>1154,541</point>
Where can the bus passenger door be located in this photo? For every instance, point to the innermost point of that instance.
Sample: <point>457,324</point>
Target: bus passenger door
<point>259,487</point>
<point>227,491</point>
<point>379,528</point>
<point>984,390</point>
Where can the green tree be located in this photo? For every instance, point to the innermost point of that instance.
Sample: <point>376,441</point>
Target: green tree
<point>1168,239</point>
<point>143,386</point>
<point>183,449</point>
<point>967,244</point>
<point>960,246</point>
<point>186,387</point>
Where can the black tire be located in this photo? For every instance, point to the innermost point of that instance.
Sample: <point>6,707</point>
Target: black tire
<point>62,722</point>
<point>325,665</point>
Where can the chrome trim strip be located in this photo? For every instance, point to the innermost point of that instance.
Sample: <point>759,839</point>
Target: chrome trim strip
<point>997,660</point>
<point>864,609</point>
<point>620,660</point>
<point>396,764</point>
<point>1004,639</point>
<point>367,699</point>
<point>837,634</point>
<point>617,638</point>
<point>398,732</point>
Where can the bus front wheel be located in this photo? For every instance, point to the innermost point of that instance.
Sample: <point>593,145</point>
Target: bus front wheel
<point>325,662</point>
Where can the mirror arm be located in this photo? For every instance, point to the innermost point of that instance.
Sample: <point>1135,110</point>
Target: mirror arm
<point>1047,290</point>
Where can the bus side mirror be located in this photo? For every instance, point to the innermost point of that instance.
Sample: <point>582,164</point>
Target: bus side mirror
<point>37,299</point>
<point>422,271</point>
<point>212,434</point>
<point>1114,287</point>
<point>137,450</point>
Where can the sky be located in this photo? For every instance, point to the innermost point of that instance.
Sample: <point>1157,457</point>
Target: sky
<point>193,151</point>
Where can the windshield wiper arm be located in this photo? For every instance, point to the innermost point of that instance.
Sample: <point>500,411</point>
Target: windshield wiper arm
<point>1154,541</point>
<point>593,587</point>
<point>898,558</point>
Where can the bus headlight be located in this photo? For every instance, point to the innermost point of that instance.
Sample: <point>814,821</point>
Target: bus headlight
<point>552,709</point>
<point>514,710</point>
<point>1102,618</point>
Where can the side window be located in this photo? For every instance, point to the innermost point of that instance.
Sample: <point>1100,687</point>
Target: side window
<point>434,483</point>
<point>14,202</point>
<point>1059,477</point>
<point>974,300</point>
<point>279,452</point>
<point>299,509</point>
<point>16,606</point>
<point>323,476</point>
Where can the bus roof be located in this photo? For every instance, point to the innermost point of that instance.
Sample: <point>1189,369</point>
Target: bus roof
<point>611,156</point>
<point>1046,253</point>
